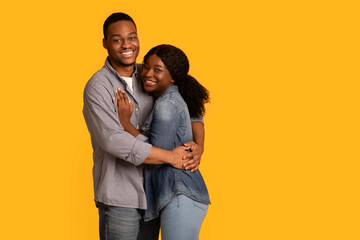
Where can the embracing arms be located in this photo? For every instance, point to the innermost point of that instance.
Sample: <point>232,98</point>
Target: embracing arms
<point>125,108</point>
<point>109,135</point>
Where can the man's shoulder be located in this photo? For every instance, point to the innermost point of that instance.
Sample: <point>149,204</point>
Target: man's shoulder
<point>99,77</point>
<point>99,83</point>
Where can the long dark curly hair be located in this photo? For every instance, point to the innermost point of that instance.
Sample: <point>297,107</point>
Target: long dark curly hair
<point>194,94</point>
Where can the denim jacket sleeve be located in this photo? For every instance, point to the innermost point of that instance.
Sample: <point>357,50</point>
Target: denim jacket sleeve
<point>105,128</point>
<point>197,119</point>
<point>164,125</point>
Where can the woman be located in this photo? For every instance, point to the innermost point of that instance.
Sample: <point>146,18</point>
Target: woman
<point>179,198</point>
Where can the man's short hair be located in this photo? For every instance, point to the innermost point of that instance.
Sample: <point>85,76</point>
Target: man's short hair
<point>114,18</point>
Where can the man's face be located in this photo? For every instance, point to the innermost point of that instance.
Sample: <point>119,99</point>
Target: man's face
<point>122,43</point>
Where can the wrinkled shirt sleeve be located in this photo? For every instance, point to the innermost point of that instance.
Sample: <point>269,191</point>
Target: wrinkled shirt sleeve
<point>105,128</point>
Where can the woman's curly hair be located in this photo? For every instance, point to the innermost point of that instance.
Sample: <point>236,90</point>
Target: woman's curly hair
<point>194,94</point>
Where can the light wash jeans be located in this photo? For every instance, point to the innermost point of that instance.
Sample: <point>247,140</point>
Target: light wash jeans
<point>181,219</point>
<point>118,223</point>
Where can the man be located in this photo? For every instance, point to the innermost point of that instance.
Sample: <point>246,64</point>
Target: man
<point>117,171</point>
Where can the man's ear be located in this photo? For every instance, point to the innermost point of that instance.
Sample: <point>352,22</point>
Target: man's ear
<point>104,43</point>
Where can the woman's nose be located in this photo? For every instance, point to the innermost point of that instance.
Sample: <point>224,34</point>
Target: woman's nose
<point>147,72</point>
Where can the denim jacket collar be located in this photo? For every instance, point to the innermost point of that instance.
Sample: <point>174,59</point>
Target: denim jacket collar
<point>167,91</point>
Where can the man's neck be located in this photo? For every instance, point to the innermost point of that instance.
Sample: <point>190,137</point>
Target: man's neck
<point>124,71</point>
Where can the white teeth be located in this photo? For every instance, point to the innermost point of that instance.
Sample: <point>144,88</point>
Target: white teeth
<point>127,53</point>
<point>150,82</point>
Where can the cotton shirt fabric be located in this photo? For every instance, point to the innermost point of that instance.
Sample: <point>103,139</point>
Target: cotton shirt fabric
<point>117,155</point>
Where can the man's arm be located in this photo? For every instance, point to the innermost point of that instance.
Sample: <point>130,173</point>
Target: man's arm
<point>105,128</point>
<point>161,156</point>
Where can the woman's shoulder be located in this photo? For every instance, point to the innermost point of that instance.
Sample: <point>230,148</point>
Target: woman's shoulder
<point>172,98</point>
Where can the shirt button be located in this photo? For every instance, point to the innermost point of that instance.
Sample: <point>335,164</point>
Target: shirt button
<point>137,109</point>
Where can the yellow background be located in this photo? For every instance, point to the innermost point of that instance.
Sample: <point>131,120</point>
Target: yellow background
<point>282,130</point>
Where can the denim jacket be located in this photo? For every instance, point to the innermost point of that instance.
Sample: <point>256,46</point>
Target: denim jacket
<point>167,127</point>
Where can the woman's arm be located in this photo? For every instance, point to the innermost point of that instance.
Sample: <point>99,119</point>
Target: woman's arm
<point>125,109</point>
<point>196,146</point>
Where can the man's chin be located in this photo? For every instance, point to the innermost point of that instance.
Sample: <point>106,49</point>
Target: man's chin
<point>127,64</point>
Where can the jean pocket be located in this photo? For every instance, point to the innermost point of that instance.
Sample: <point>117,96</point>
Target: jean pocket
<point>200,205</point>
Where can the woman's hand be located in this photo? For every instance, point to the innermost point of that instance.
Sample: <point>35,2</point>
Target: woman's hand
<point>194,157</point>
<point>124,108</point>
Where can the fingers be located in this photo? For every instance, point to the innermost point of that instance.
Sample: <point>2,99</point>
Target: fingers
<point>182,149</point>
<point>195,168</point>
<point>190,144</point>
<point>188,155</point>
<point>119,97</point>
<point>122,100</point>
<point>126,101</point>
<point>122,97</point>
<point>192,165</point>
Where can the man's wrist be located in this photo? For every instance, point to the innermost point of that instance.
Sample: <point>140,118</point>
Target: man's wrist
<point>169,157</point>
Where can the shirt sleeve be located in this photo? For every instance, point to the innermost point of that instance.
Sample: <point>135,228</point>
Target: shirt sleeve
<point>142,137</point>
<point>164,125</point>
<point>197,119</point>
<point>105,128</point>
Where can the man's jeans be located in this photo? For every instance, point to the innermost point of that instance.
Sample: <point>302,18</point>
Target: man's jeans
<point>118,223</point>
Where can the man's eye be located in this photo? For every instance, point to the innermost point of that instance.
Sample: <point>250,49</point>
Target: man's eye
<point>157,70</point>
<point>117,40</point>
<point>132,38</point>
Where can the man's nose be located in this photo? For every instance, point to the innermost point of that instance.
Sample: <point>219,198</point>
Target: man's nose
<point>125,43</point>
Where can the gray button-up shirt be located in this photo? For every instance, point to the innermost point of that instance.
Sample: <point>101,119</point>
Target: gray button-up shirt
<point>117,171</point>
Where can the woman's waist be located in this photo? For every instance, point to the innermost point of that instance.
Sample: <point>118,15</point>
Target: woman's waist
<point>165,179</point>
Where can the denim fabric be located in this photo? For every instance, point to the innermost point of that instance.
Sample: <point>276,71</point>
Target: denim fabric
<point>149,230</point>
<point>181,219</point>
<point>118,223</point>
<point>167,127</point>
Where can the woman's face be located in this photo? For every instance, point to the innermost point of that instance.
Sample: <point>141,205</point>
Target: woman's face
<point>156,76</point>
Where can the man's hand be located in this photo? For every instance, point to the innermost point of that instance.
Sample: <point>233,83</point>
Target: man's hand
<point>194,157</point>
<point>176,157</point>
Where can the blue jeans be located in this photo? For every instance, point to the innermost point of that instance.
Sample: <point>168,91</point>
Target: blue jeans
<point>181,219</point>
<point>118,223</point>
